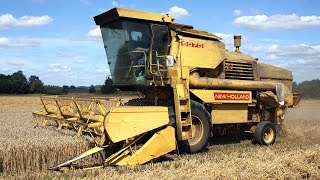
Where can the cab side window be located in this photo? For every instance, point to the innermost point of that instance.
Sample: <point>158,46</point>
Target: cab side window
<point>160,39</point>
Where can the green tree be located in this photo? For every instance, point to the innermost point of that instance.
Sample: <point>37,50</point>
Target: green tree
<point>5,84</point>
<point>65,89</point>
<point>35,84</point>
<point>19,83</point>
<point>309,89</point>
<point>108,87</point>
<point>294,87</point>
<point>56,90</point>
<point>92,89</point>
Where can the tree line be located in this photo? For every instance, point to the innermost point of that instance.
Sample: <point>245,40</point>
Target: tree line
<point>17,83</point>
<point>308,89</point>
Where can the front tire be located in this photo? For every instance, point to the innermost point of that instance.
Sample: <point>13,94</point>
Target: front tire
<point>265,133</point>
<point>201,127</point>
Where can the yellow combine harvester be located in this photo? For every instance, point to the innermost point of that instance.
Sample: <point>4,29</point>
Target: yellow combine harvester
<point>193,88</point>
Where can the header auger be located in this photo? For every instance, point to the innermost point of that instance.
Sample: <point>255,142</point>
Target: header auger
<point>192,88</point>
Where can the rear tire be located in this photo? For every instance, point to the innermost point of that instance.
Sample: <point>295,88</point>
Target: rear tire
<point>201,121</point>
<point>265,133</point>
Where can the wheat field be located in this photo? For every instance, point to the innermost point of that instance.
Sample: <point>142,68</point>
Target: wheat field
<point>26,152</point>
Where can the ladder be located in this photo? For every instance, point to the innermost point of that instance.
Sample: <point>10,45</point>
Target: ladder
<point>182,111</point>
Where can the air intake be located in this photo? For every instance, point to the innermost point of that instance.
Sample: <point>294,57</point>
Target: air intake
<point>238,70</point>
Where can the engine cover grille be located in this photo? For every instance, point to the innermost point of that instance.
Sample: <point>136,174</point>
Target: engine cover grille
<point>238,70</point>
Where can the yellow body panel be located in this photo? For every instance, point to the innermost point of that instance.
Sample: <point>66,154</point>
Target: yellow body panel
<point>159,144</point>
<point>128,121</point>
<point>198,53</point>
<point>117,13</point>
<point>223,96</point>
<point>229,113</point>
<point>144,15</point>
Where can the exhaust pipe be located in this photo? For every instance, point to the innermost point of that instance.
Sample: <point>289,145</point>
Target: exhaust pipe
<point>237,42</point>
<point>198,82</point>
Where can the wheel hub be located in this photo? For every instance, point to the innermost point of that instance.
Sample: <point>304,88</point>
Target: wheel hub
<point>197,130</point>
<point>268,135</point>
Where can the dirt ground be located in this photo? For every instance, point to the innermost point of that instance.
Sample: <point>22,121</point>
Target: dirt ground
<point>26,152</point>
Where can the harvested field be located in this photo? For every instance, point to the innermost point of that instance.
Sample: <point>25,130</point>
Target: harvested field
<point>26,152</point>
<point>25,148</point>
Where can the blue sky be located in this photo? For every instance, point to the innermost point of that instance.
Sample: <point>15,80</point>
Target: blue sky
<point>58,41</point>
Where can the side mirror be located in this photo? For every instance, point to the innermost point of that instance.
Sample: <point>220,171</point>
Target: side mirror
<point>178,30</point>
<point>169,60</point>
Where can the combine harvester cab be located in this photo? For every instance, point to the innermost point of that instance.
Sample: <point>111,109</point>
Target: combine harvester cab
<point>192,87</point>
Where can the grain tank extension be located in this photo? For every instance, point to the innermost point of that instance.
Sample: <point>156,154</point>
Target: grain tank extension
<point>192,86</point>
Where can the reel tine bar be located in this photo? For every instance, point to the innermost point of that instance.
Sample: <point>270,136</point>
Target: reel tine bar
<point>81,114</point>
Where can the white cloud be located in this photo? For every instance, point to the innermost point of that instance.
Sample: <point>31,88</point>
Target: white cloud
<point>70,55</point>
<point>297,51</point>
<point>60,61</point>
<point>8,21</point>
<point>178,12</point>
<point>15,62</point>
<point>251,48</point>
<point>102,71</point>
<point>271,40</point>
<point>63,73</point>
<point>271,57</point>
<point>277,22</point>
<point>304,61</point>
<point>86,2</point>
<point>237,12</point>
<point>58,68</point>
<point>94,33</point>
<point>115,4</point>
<point>226,38</point>
<point>300,58</point>
<point>18,43</point>
<point>102,10</point>
<point>79,60</point>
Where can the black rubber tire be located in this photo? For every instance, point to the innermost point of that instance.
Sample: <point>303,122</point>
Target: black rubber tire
<point>265,133</point>
<point>199,112</point>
